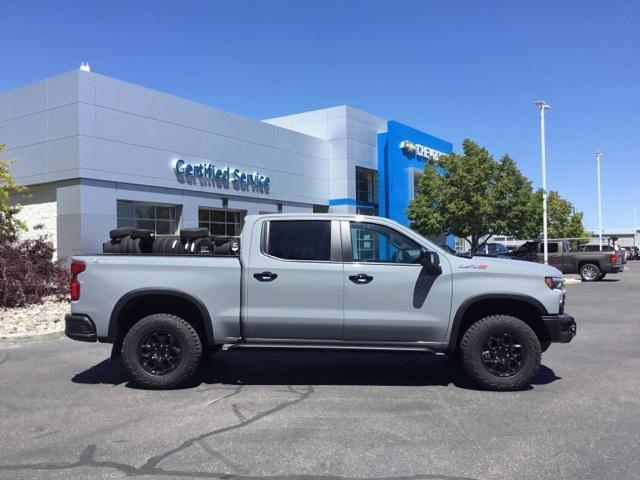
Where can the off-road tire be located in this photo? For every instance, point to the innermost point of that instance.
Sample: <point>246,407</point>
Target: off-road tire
<point>474,342</point>
<point>590,272</point>
<point>185,337</point>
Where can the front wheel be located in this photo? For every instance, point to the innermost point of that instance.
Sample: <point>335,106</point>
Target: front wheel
<point>500,352</point>
<point>161,351</point>
<point>590,272</point>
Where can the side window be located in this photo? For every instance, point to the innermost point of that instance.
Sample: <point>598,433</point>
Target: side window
<point>299,240</point>
<point>376,243</point>
<point>552,247</point>
<point>501,248</point>
<point>528,247</point>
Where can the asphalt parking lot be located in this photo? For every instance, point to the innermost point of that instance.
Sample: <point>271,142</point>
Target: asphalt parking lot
<point>66,412</point>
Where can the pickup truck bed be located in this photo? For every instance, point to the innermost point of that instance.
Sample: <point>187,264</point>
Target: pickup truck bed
<point>212,280</point>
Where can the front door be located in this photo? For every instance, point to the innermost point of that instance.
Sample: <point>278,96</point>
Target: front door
<point>389,295</point>
<point>553,253</point>
<point>294,281</point>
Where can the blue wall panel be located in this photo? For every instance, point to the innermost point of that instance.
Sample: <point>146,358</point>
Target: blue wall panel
<point>395,166</point>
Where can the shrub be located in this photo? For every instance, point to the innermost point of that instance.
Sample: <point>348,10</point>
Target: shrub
<point>28,273</point>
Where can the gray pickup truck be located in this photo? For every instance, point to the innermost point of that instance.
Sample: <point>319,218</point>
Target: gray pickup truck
<point>319,281</point>
<point>592,266</point>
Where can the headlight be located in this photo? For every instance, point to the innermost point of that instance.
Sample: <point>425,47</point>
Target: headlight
<point>554,282</point>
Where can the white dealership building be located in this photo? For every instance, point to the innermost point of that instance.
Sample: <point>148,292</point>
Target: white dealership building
<point>98,153</point>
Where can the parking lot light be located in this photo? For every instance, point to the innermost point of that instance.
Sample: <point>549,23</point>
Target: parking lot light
<point>543,106</point>
<point>598,155</point>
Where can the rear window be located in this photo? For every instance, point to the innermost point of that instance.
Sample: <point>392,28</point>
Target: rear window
<point>299,240</point>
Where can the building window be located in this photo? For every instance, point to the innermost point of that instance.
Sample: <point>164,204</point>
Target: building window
<point>367,211</point>
<point>366,186</point>
<point>366,191</point>
<point>162,219</point>
<point>321,209</point>
<point>417,175</point>
<point>220,221</point>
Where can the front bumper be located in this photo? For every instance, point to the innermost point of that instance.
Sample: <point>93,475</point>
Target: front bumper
<point>79,327</point>
<point>561,327</point>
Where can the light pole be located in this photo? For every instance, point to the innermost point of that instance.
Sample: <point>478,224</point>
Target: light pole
<point>635,225</point>
<point>598,155</point>
<point>543,156</point>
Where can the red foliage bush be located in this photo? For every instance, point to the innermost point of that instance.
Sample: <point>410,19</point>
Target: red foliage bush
<point>28,273</point>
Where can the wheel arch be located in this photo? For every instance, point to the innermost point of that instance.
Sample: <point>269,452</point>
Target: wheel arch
<point>595,262</point>
<point>524,307</point>
<point>139,303</point>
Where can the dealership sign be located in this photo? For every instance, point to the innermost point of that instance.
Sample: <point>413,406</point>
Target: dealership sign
<point>418,150</point>
<point>226,174</point>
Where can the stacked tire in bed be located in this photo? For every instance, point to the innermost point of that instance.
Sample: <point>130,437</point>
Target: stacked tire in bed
<point>189,241</point>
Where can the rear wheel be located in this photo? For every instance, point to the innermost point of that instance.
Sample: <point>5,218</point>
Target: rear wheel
<point>161,351</point>
<point>500,352</point>
<point>590,272</point>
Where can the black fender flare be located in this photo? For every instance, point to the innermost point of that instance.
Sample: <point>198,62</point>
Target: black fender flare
<point>469,302</point>
<point>127,297</point>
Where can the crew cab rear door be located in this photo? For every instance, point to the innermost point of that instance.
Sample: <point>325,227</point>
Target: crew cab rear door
<point>294,281</point>
<point>388,295</point>
<point>554,254</point>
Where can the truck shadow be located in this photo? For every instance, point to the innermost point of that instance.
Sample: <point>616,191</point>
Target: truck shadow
<point>277,367</point>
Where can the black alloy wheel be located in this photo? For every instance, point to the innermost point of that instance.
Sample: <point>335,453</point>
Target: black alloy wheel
<point>159,352</point>
<point>503,354</point>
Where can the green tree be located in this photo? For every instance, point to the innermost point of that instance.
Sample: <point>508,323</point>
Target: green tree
<point>472,196</point>
<point>563,221</point>
<point>8,188</point>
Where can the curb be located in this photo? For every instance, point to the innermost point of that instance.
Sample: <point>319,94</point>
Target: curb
<point>18,338</point>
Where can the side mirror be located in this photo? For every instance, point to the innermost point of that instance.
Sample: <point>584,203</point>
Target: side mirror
<point>431,261</point>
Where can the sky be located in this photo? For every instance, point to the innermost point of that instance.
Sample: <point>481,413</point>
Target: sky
<point>455,69</point>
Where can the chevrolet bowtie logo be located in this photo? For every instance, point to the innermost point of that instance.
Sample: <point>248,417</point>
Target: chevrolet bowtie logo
<point>408,147</point>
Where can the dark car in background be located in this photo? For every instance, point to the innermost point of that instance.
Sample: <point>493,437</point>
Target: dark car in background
<point>492,249</point>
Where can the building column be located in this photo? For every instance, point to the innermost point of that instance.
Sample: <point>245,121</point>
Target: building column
<point>87,211</point>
